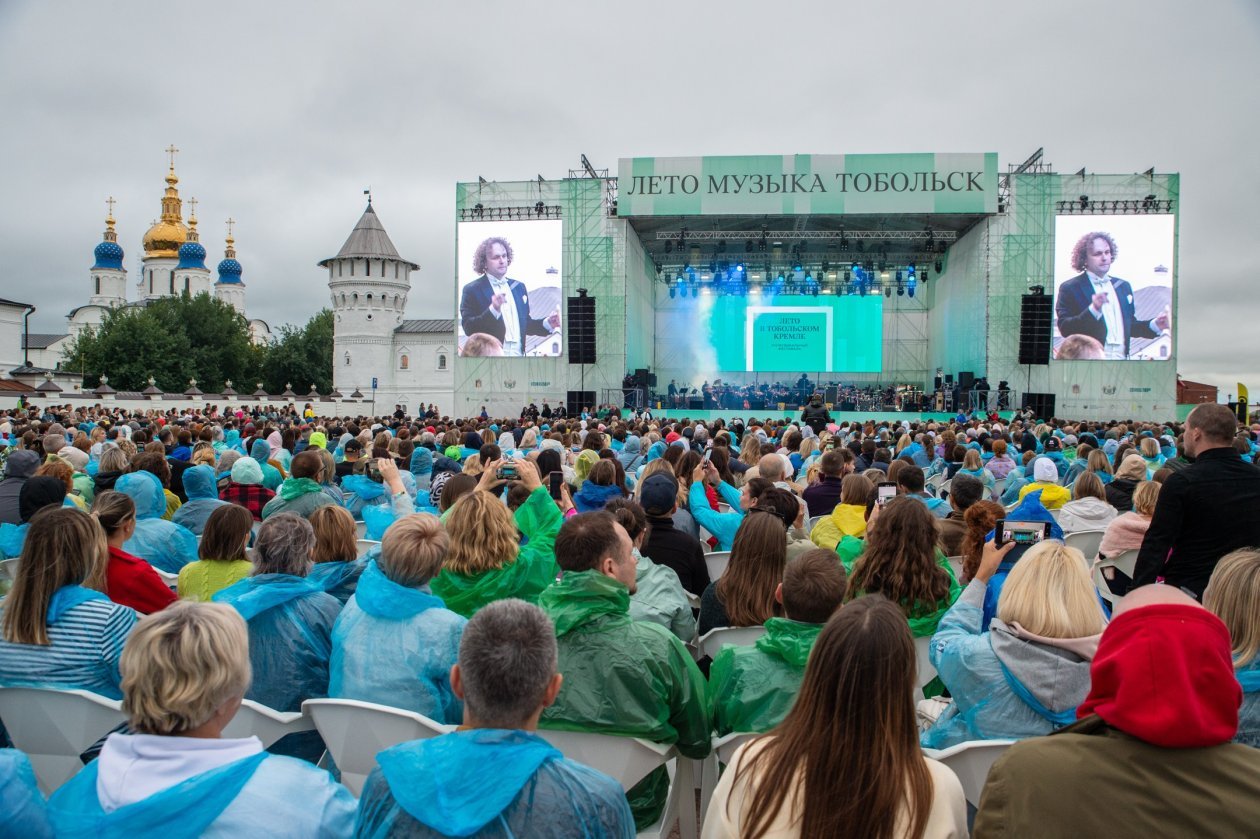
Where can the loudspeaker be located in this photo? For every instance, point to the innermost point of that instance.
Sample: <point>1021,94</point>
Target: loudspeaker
<point>966,379</point>
<point>576,400</point>
<point>581,323</point>
<point>1042,404</point>
<point>1035,317</point>
<point>949,378</point>
<point>651,380</point>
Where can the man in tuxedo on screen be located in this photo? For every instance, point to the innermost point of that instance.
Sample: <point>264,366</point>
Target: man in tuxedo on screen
<point>496,305</point>
<point>1096,304</point>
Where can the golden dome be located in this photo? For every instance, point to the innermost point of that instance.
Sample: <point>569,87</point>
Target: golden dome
<point>163,239</point>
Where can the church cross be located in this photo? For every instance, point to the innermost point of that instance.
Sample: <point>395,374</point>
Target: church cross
<point>172,151</point>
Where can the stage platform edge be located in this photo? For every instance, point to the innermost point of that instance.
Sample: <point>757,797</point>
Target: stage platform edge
<point>838,417</point>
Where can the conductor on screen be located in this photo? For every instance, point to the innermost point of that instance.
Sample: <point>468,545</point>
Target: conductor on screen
<point>1100,306</point>
<point>495,305</point>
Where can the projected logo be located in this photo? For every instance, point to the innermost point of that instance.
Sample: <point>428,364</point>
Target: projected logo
<point>1113,287</point>
<point>510,288</point>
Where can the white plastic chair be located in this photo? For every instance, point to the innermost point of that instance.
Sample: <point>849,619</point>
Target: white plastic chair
<point>360,529</point>
<point>723,750</point>
<point>933,484</point>
<point>54,727</point>
<point>629,760</point>
<point>362,546</point>
<point>926,671</point>
<point>717,562</point>
<point>740,636</point>
<point>1125,562</point>
<point>268,725</point>
<point>971,762</point>
<point>8,568</point>
<point>171,580</point>
<point>354,732</point>
<point>810,522</point>
<point>956,565</point>
<point>1085,541</point>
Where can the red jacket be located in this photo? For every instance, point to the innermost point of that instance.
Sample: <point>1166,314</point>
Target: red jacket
<point>130,581</point>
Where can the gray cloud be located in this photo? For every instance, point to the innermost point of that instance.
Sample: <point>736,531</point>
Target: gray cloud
<point>285,111</point>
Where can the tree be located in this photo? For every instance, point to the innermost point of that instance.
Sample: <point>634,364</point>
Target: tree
<point>172,339</point>
<point>301,356</point>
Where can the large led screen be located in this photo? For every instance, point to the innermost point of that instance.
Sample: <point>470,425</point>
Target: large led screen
<point>510,288</point>
<point>1113,287</point>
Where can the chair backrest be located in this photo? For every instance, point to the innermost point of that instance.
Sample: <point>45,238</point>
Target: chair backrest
<point>740,636</point>
<point>1125,563</point>
<point>54,727</point>
<point>627,759</point>
<point>926,671</point>
<point>268,725</point>
<point>724,747</point>
<point>360,529</point>
<point>362,546</point>
<point>971,762</point>
<point>956,565</point>
<point>171,580</point>
<point>355,732</point>
<point>1085,541</point>
<point>933,484</point>
<point>717,562</point>
<point>813,520</point>
<point>8,568</point>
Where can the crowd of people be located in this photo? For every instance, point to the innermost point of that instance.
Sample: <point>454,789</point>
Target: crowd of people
<point>537,573</point>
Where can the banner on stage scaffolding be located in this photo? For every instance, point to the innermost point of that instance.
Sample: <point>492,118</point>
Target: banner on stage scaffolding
<point>808,184</point>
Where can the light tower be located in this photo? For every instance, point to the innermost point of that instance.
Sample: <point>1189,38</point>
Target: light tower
<point>368,283</point>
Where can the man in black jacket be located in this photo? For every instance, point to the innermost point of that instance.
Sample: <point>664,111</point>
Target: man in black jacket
<point>815,414</point>
<point>21,465</point>
<point>1205,510</point>
<point>665,545</point>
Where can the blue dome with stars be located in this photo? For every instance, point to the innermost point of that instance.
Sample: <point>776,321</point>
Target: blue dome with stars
<point>229,271</point>
<point>108,255</point>
<point>192,255</point>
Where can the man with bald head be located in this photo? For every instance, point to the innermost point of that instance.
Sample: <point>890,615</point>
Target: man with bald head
<point>1205,510</point>
<point>1150,752</point>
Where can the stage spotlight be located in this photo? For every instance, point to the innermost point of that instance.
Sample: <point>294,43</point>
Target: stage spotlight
<point>669,246</point>
<point>739,267</point>
<point>712,267</point>
<point>848,275</point>
<point>748,246</point>
<point>901,291</point>
<point>781,277</point>
<point>721,246</point>
<point>695,290</point>
<point>672,292</point>
<point>796,267</point>
<point>888,291</point>
<point>937,266</point>
<point>898,276</point>
<point>1084,202</point>
<point>910,291</point>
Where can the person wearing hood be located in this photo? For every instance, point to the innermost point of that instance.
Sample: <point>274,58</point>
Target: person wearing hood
<point>472,445</point>
<point>1088,509</point>
<point>506,676</point>
<point>290,619</point>
<point>488,560</point>
<point>185,672</point>
<point>272,474</point>
<point>282,456</point>
<point>753,688</point>
<point>25,812</point>
<point>421,466</point>
<point>1150,752</point>
<point>1131,472</point>
<point>631,454</point>
<point>245,488</point>
<point>301,493</point>
<point>659,596</point>
<point>1046,481</point>
<point>38,492</point>
<point>395,641</point>
<point>1025,674</point>
<point>20,466</point>
<point>163,544</point>
<point>599,488</point>
<point>203,499</point>
<point>622,677</point>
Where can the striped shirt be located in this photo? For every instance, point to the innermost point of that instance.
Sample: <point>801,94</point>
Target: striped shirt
<point>83,654</point>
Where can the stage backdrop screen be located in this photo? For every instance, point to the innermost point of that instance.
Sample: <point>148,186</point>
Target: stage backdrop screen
<point>1113,287</point>
<point>510,288</point>
<point>785,333</point>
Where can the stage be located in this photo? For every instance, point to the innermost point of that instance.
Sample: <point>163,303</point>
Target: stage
<point>838,417</point>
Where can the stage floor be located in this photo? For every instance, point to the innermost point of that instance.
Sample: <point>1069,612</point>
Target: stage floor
<point>838,417</point>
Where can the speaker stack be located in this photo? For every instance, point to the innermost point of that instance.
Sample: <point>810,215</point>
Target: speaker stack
<point>581,328</point>
<point>1035,316</point>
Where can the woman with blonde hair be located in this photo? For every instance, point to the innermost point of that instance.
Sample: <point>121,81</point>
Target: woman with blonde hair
<point>1026,675</point>
<point>59,630</point>
<point>849,515</point>
<point>973,465</point>
<point>851,729</point>
<point>901,561</point>
<point>336,556</point>
<point>1131,472</point>
<point>184,673</point>
<point>486,560</point>
<point>1233,595</point>
<point>744,596</point>
<point>1099,465</point>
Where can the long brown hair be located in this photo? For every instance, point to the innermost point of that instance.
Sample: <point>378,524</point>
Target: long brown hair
<point>64,546</point>
<point>847,755</point>
<point>980,519</point>
<point>899,561</point>
<point>758,557</point>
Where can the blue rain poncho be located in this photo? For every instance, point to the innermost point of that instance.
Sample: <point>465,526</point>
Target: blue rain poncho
<point>261,793</point>
<point>723,526</point>
<point>591,497</point>
<point>1249,714</point>
<point>340,579</point>
<point>21,803</point>
<point>260,451</point>
<point>489,782</point>
<point>163,544</point>
<point>202,488</point>
<point>290,636</point>
<point>421,466</point>
<point>1003,687</point>
<point>394,645</point>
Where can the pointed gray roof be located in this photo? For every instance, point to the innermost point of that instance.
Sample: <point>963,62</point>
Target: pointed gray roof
<point>368,240</point>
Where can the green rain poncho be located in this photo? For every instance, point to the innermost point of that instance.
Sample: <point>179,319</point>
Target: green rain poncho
<point>624,677</point>
<point>753,688</point>
<point>525,577</point>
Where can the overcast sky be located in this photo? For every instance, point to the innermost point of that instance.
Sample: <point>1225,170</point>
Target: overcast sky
<point>285,111</point>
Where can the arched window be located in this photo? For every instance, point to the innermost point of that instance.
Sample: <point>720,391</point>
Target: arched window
<point>352,267</point>
<point>171,278</point>
<point>442,361</point>
<point>98,284</point>
<point>395,270</point>
<point>369,298</point>
<point>354,298</point>
<point>403,361</point>
<point>347,358</point>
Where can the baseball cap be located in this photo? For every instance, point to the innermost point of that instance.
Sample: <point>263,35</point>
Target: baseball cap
<point>658,495</point>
